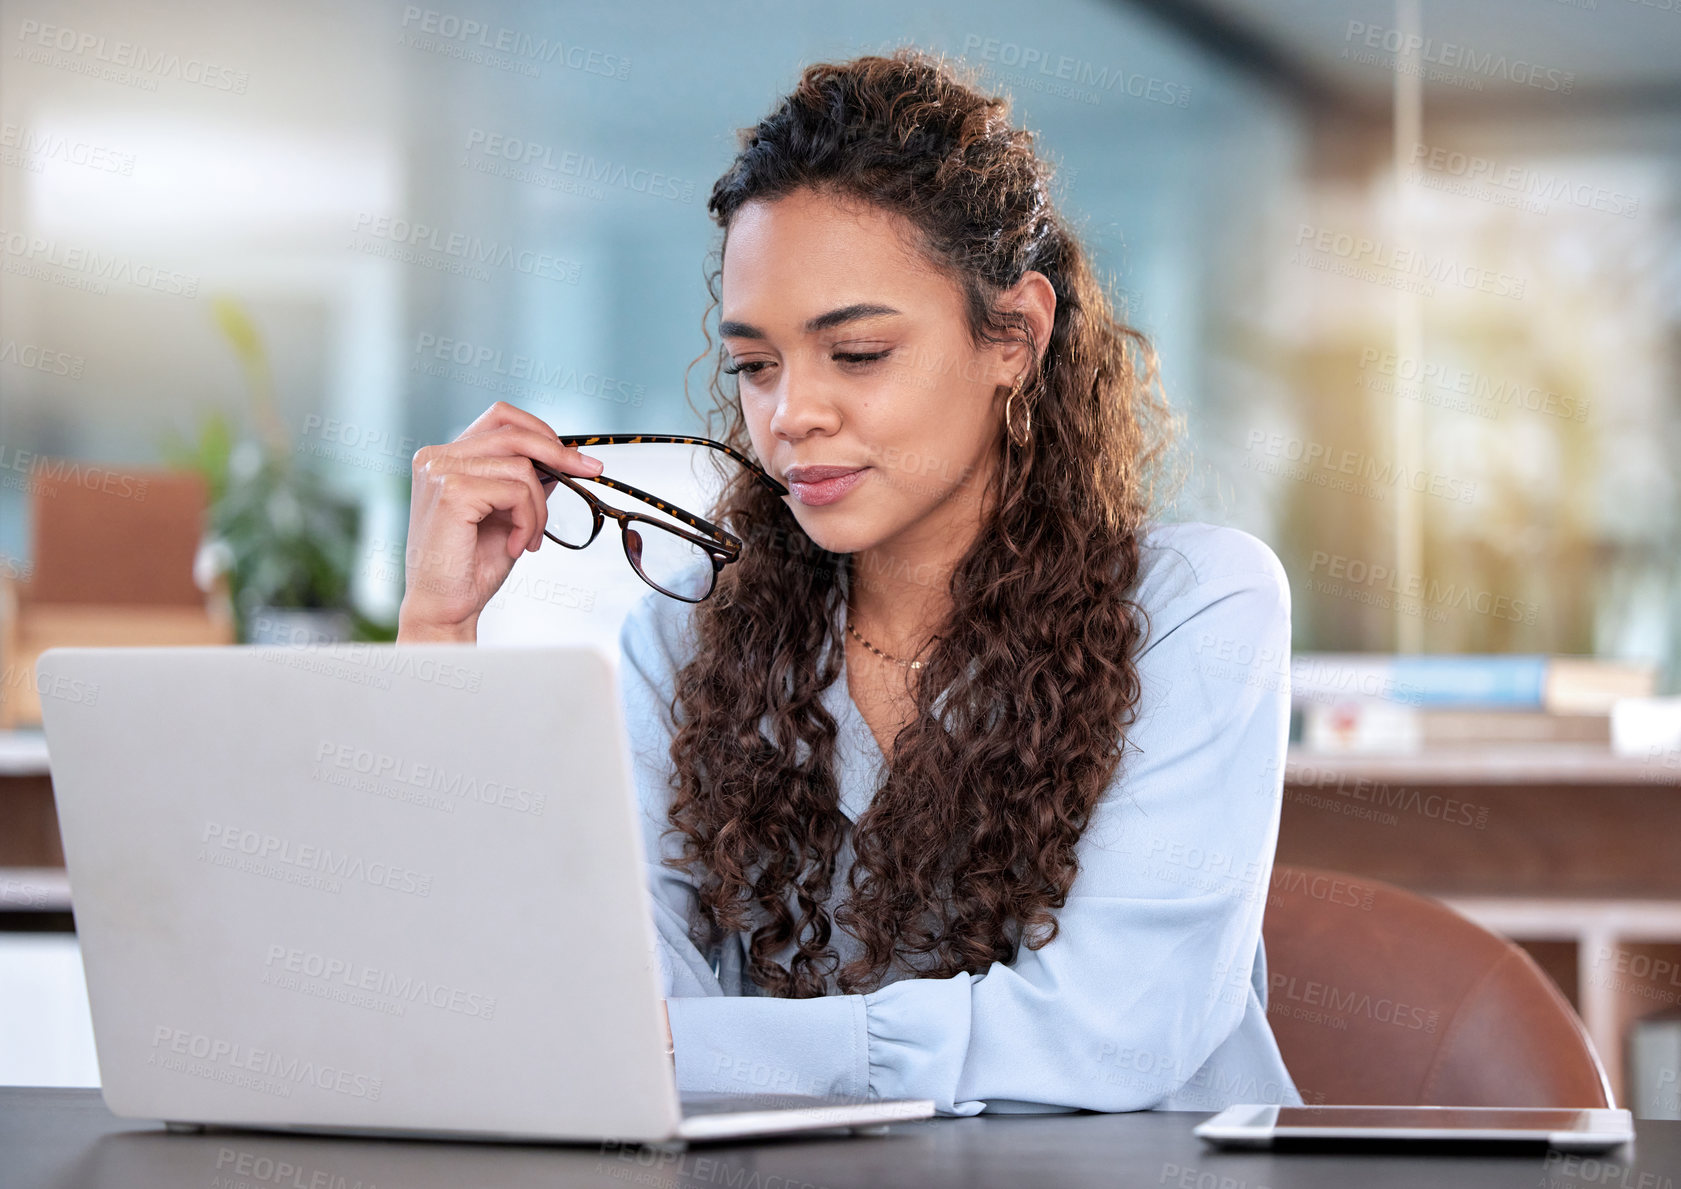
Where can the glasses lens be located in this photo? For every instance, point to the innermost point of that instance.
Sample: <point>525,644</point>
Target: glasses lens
<point>571,519</point>
<point>675,564</point>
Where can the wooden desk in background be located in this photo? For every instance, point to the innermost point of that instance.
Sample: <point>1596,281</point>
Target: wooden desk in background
<point>31,855</point>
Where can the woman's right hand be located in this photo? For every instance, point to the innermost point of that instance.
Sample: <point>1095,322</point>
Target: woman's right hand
<point>478,503</point>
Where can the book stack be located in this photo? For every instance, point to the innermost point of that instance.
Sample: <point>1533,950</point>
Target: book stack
<point>1375,702</point>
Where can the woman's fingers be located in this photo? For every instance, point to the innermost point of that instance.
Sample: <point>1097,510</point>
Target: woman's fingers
<point>526,447</point>
<point>479,501</point>
<point>520,470</point>
<point>481,496</point>
<point>529,434</point>
<point>524,496</point>
<point>502,413</point>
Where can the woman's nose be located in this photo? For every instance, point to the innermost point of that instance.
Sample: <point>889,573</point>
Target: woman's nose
<point>805,402</point>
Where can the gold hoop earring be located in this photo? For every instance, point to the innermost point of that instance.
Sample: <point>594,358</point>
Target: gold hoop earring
<point>1027,419</point>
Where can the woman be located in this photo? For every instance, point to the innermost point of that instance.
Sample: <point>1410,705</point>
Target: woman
<point>898,849</point>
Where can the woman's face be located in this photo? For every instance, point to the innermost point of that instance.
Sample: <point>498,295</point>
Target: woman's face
<point>854,355</point>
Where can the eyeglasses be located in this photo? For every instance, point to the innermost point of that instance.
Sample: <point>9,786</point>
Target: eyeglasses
<point>663,555</point>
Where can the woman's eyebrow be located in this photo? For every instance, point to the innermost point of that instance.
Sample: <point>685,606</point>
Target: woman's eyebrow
<point>836,317</point>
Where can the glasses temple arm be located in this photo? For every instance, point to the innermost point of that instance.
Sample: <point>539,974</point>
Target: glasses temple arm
<point>623,439</point>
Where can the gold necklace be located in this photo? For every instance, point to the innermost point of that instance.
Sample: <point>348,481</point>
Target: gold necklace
<point>884,656</point>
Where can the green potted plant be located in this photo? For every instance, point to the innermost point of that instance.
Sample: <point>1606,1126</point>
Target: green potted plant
<point>282,542</point>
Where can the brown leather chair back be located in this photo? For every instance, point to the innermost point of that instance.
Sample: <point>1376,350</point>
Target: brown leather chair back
<point>115,535</point>
<point>1380,996</point>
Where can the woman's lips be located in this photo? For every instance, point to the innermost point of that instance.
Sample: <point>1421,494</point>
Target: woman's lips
<point>826,491</point>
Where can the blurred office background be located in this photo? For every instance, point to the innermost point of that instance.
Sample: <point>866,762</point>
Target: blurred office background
<point>1418,299</point>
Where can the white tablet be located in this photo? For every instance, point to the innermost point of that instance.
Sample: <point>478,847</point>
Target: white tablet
<point>1571,1129</point>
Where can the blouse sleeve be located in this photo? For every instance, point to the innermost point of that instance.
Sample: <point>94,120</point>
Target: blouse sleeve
<point>1151,970</point>
<point>646,674</point>
<point>755,1044</point>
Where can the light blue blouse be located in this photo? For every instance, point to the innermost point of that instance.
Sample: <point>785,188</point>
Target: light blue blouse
<point>1153,994</point>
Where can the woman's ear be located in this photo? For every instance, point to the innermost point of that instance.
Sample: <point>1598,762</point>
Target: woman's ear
<point>1035,297</point>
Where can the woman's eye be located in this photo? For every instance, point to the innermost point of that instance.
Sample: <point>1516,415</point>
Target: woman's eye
<point>752,367</point>
<point>860,357</point>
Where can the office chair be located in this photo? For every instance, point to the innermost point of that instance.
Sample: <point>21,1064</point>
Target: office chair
<point>1380,996</point>
<point>113,565</point>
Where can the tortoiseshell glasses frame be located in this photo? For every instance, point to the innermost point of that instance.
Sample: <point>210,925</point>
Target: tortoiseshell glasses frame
<point>720,545</point>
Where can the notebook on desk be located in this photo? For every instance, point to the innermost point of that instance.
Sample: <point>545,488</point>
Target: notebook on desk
<point>373,890</point>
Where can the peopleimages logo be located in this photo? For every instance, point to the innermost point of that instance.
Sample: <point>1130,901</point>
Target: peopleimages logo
<point>252,1169</point>
<point>234,1058</point>
<point>235,842</point>
<point>1077,71</point>
<point>1452,56</point>
<point>88,268</point>
<point>374,661</point>
<point>361,977</point>
<point>1524,181</point>
<point>363,761</point>
<point>1493,394</point>
<point>54,363</point>
<point>1287,989</point>
<point>1345,469</point>
<point>1435,806</point>
<point>58,687</point>
<point>453,251</point>
<point>531,155</point>
<point>31,146</point>
<point>1328,889</point>
<point>66,472</point>
<point>465,33</point>
<point>488,367</point>
<point>1357,572</point>
<point>1389,264</point>
<point>51,45</point>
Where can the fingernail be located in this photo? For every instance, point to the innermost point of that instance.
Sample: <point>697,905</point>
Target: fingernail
<point>592,458</point>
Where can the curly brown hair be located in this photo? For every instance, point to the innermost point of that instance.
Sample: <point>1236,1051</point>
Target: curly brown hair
<point>968,847</point>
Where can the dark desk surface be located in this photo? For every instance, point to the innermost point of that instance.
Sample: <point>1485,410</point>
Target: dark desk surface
<point>66,1139</point>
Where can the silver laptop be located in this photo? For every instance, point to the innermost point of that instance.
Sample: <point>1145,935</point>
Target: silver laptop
<point>374,890</point>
